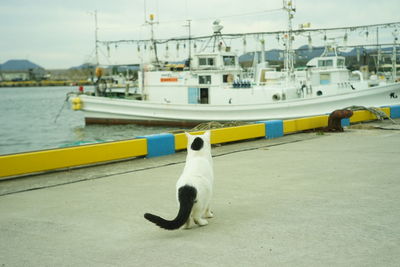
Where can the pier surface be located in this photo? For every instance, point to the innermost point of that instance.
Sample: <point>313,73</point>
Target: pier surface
<point>300,200</point>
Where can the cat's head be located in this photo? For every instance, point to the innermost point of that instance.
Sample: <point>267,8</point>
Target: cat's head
<point>199,143</point>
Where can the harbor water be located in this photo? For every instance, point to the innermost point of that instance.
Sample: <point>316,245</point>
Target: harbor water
<point>37,118</point>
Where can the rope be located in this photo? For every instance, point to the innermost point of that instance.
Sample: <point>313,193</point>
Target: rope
<point>380,115</point>
<point>216,125</point>
<point>62,107</point>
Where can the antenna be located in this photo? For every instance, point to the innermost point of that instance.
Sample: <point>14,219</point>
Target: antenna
<point>151,22</point>
<point>190,41</point>
<point>217,27</point>
<point>289,57</point>
<point>96,29</point>
<point>395,34</point>
<point>145,11</point>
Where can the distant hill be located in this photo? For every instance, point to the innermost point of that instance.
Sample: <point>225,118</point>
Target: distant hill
<point>304,53</point>
<point>121,67</point>
<point>19,65</point>
<point>84,66</point>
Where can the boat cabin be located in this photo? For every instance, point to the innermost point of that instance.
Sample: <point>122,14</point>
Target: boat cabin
<point>332,62</point>
<point>215,61</point>
<point>327,70</point>
<point>207,74</point>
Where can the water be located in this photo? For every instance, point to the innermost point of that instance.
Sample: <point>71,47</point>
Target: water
<point>27,122</point>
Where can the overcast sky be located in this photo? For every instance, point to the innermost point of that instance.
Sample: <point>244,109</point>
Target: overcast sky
<point>60,34</point>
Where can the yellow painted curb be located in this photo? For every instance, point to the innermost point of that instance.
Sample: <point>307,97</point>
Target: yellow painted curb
<point>297,125</point>
<point>226,135</point>
<point>39,161</point>
<point>365,115</point>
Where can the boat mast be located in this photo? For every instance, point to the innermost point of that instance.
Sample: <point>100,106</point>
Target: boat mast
<point>98,70</point>
<point>289,53</point>
<point>190,44</point>
<point>152,40</point>
<point>394,56</point>
<point>96,29</point>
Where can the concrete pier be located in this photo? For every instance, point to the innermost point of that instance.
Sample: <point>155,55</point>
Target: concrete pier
<point>299,200</point>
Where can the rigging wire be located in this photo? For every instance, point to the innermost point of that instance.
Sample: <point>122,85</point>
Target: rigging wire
<point>241,35</point>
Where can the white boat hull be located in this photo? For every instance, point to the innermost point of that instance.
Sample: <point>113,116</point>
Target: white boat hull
<point>122,111</point>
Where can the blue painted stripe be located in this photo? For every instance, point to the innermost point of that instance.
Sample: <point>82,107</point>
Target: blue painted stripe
<point>273,129</point>
<point>345,122</point>
<point>395,111</point>
<point>160,144</point>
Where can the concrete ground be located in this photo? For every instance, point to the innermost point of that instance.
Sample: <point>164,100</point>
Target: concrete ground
<point>301,200</point>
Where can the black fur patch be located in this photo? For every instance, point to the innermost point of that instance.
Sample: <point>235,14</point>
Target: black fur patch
<point>197,144</point>
<point>187,194</point>
<point>187,197</point>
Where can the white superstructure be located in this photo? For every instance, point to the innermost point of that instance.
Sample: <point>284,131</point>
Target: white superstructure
<point>212,86</point>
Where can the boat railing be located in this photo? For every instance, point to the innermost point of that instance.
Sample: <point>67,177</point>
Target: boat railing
<point>268,83</point>
<point>242,84</point>
<point>328,68</point>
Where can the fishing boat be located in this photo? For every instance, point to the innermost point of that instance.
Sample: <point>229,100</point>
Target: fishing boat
<point>212,86</point>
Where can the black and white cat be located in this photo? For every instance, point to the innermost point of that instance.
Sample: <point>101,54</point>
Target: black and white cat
<point>194,187</point>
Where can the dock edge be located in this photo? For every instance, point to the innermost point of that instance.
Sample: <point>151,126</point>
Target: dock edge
<point>29,163</point>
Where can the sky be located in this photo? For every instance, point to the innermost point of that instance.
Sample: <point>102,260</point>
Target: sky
<point>61,34</point>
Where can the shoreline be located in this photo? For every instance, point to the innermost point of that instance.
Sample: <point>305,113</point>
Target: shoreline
<point>44,83</point>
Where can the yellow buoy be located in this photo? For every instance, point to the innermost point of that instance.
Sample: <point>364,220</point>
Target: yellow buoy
<point>76,103</point>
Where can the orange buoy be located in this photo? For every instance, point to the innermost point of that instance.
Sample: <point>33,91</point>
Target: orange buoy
<point>99,72</point>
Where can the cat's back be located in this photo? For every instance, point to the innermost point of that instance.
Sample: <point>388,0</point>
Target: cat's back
<point>198,165</point>
<point>198,169</point>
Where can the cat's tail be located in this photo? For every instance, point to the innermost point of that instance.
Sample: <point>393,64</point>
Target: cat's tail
<point>187,196</point>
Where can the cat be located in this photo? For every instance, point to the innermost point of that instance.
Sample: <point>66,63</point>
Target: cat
<point>193,188</point>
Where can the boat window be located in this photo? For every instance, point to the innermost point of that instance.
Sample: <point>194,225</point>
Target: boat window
<point>205,79</point>
<point>325,63</point>
<point>324,78</point>
<point>229,60</point>
<point>206,61</point>
<point>340,62</point>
